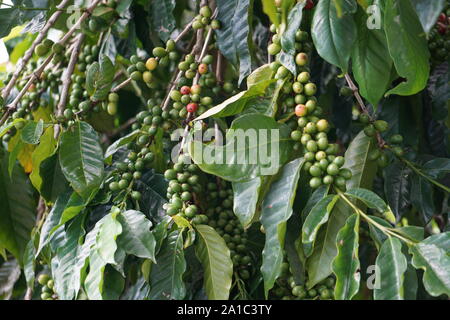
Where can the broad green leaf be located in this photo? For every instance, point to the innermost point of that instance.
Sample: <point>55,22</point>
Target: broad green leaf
<point>94,280</point>
<point>371,63</point>
<point>53,180</point>
<point>334,36</point>
<point>397,187</point>
<point>428,12</point>
<point>166,276</point>
<point>81,158</point>
<point>245,199</point>
<point>270,9</point>
<point>378,236</point>
<point>234,38</point>
<point>162,18</point>
<point>315,219</point>
<point>433,256</point>
<point>45,149</point>
<point>346,264</point>
<point>317,196</point>
<point>260,74</point>
<point>136,238</point>
<point>17,213</point>
<point>392,265</point>
<point>437,168</point>
<point>357,160</point>
<point>29,263</point>
<point>407,45</point>
<point>32,132</point>
<point>106,245</point>
<point>9,274</point>
<point>237,103</point>
<point>214,255</point>
<point>99,78</point>
<point>67,255</point>
<point>372,200</point>
<point>256,145</point>
<point>118,144</point>
<point>276,211</point>
<point>288,36</point>
<point>267,104</point>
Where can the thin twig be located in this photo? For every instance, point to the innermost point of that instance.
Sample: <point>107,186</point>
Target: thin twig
<point>29,53</point>
<point>68,80</point>
<point>121,85</point>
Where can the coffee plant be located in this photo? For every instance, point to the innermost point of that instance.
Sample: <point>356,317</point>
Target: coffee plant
<point>120,177</point>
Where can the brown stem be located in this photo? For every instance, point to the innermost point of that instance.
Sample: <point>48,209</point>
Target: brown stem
<point>29,53</point>
<point>121,85</point>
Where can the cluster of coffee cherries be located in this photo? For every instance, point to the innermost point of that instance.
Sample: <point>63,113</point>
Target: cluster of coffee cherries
<point>47,291</point>
<point>227,225</point>
<point>188,100</point>
<point>286,288</point>
<point>375,127</point>
<point>203,19</point>
<point>439,38</point>
<point>184,185</point>
<point>139,155</point>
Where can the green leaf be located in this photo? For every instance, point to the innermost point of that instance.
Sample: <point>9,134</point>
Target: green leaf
<point>376,234</point>
<point>53,180</point>
<point>45,149</point>
<point>106,245</point>
<point>17,214</point>
<point>136,238</point>
<point>94,280</point>
<point>81,158</point>
<point>9,274</point>
<point>317,196</point>
<point>241,158</point>
<point>407,45</point>
<point>372,200</point>
<point>260,74</point>
<point>288,36</point>
<point>346,264</point>
<point>437,168</point>
<point>67,255</point>
<point>118,144</point>
<point>99,78</point>
<point>234,38</point>
<point>357,160</point>
<point>397,187</point>
<point>392,265</point>
<point>29,263</point>
<point>334,36</point>
<point>276,211</point>
<point>428,12</point>
<point>371,63</point>
<point>214,255</point>
<point>32,132</point>
<point>237,103</point>
<point>270,9</point>
<point>315,219</point>
<point>166,277</point>
<point>245,199</point>
<point>433,256</point>
<point>269,103</point>
<point>162,18</point>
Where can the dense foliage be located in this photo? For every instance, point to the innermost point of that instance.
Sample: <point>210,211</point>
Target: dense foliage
<point>105,195</point>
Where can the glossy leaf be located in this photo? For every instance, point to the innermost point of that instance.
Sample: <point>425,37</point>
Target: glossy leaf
<point>32,132</point>
<point>407,46</point>
<point>371,62</point>
<point>433,256</point>
<point>314,220</point>
<point>392,265</point>
<point>166,277</point>
<point>397,187</point>
<point>372,200</point>
<point>245,199</point>
<point>346,264</point>
<point>162,18</point>
<point>214,255</point>
<point>428,12</point>
<point>81,158</point>
<point>422,197</point>
<point>118,144</point>
<point>136,238</point>
<point>270,9</point>
<point>276,211</point>
<point>334,36</point>
<point>242,159</point>
<point>29,263</point>
<point>99,78</point>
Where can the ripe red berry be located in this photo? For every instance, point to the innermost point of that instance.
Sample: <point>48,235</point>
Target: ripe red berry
<point>309,4</point>
<point>192,107</point>
<point>301,110</point>
<point>442,18</point>
<point>203,68</point>
<point>185,90</point>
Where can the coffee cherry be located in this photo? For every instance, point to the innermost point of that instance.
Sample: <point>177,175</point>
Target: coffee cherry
<point>303,77</point>
<point>369,130</point>
<point>273,49</point>
<point>315,182</point>
<point>192,107</point>
<point>301,110</point>
<point>40,50</point>
<point>381,125</point>
<point>136,195</point>
<point>301,59</point>
<point>159,52</point>
<point>151,64</point>
<point>396,139</point>
<point>185,90</point>
<point>296,135</point>
<point>203,68</point>
<point>322,125</point>
<point>310,89</point>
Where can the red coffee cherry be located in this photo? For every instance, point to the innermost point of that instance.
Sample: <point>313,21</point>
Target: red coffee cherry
<point>185,90</point>
<point>192,107</point>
